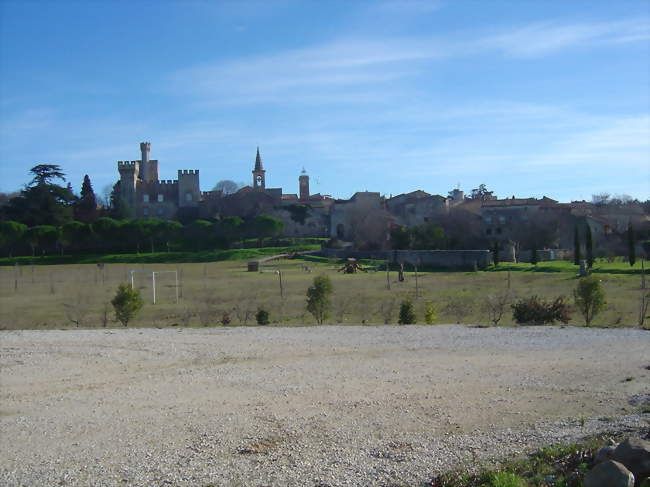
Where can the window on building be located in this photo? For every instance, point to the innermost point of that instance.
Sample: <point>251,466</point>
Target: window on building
<point>488,231</point>
<point>488,219</point>
<point>188,196</point>
<point>499,231</point>
<point>145,211</point>
<point>145,198</point>
<point>160,211</point>
<point>502,219</point>
<point>161,198</point>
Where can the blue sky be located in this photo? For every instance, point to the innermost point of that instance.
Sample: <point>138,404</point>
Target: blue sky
<point>530,97</point>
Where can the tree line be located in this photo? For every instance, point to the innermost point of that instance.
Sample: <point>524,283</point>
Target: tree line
<point>46,217</point>
<point>139,234</point>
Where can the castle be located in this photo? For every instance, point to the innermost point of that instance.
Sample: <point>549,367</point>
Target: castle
<point>146,195</point>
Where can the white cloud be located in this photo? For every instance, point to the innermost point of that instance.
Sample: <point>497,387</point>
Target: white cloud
<point>543,38</point>
<point>331,70</point>
<point>354,70</point>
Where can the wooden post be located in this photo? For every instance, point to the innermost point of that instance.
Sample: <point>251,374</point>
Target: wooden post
<point>176,277</point>
<point>417,292</point>
<point>387,275</point>
<point>281,288</point>
<point>180,291</point>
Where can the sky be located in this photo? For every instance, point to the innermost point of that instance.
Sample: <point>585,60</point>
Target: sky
<point>531,98</point>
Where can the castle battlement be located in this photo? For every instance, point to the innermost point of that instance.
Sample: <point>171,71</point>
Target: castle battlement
<point>166,182</point>
<point>188,171</point>
<point>126,164</point>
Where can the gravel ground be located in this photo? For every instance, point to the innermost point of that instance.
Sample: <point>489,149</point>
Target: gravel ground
<point>313,406</point>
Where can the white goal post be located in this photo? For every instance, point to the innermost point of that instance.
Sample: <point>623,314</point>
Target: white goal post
<point>153,280</point>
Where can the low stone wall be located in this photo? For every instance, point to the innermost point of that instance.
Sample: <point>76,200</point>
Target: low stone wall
<point>452,259</point>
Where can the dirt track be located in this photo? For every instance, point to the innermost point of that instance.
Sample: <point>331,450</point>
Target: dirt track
<point>303,406</point>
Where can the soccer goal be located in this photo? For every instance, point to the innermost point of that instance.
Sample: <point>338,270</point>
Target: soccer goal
<point>133,272</point>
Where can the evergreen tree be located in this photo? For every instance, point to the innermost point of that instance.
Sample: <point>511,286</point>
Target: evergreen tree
<point>126,303</point>
<point>576,245</point>
<point>407,313</point>
<point>42,202</point>
<point>495,253</point>
<point>533,256</point>
<point>589,247</point>
<point>265,226</point>
<point>631,243</point>
<point>86,204</point>
<point>10,234</point>
<point>589,297</point>
<point>318,298</point>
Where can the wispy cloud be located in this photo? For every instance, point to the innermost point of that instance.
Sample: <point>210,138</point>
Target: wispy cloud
<point>320,71</point>
<point>543,38</point>
<point>352,70</point>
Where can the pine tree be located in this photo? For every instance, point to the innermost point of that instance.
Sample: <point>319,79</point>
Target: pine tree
<point>87,194</point>
<point>576,246</point>
<point>589,247</point>
<point>631,243</point>
<point>86,205</point>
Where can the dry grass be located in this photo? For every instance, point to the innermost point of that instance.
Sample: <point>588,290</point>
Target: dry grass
<point>58,296</point>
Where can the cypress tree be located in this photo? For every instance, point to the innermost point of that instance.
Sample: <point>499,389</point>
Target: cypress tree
<point>88,199</point>
<point>86,204</point>
<point>576,245</point>
<point>631,241</point>
<point>589,244</point>
<point>533,256</point>
<point>495,253</point>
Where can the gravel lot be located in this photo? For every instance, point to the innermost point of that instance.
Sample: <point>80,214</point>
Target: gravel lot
<point>313,406</point>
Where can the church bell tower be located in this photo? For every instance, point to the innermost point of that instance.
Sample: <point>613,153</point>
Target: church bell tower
<point>258,173</point>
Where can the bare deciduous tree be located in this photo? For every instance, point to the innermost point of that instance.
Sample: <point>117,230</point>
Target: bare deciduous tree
<point>495,306</point>
<point>245,308</point>
<point>387,309</point>
<point>76,309</point>
<point>226,186</point>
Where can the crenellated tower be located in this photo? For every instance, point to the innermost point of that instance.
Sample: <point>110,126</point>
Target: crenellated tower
<point>259,178</point>
<point>129,172</point>
<point>189,193</point>
<point>148,167</point>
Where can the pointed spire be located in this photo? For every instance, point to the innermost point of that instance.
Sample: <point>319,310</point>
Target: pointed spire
<point>258,161</point>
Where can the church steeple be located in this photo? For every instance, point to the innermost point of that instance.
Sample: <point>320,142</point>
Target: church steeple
<point>258,172</point>
<point>258,161</point>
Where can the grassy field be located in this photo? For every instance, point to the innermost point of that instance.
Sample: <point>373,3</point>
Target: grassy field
<point>155,257</point>
<point>59,296</point>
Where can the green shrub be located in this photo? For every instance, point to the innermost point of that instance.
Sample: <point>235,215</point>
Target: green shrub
<point>406,313</point>
<point>126,303</point>
<point>589,298</point>
<point>506,479</point>
<point>536,311</point>
<point>318,298</point>
<point>262,317</point>
<point>430,313</point>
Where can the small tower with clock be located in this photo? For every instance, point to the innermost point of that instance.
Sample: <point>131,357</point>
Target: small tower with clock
<point>258,173</point>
